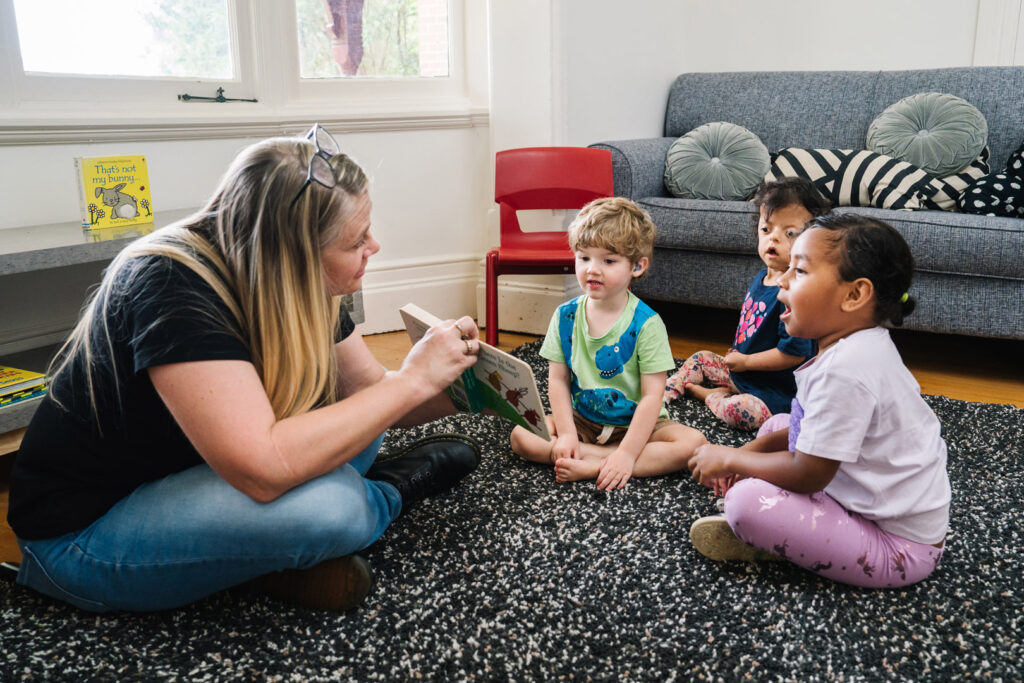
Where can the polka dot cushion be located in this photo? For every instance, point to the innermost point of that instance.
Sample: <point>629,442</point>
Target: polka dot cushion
<point>998,194</point>
<point>1015,164</point>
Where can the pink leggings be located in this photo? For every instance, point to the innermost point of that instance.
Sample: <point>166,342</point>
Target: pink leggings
<point>742,411</point>
<point>817,533</point>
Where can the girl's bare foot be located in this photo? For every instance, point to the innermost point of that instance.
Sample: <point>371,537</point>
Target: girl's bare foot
<point>572,469</point>
<point>702,393</point>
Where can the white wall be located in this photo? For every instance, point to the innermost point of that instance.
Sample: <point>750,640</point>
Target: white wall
<point>617,65</point>
<point>816,35</point>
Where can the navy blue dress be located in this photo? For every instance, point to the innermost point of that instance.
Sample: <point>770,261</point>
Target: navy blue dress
<point>759,330</point>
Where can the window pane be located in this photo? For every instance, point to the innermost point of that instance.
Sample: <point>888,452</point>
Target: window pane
<point>157,38</point>
<point>373,38</point>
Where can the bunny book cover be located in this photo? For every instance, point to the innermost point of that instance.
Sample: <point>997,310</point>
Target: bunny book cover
<point>113,191</point>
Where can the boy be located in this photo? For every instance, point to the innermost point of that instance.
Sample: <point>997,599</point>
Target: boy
<point>608,356</point>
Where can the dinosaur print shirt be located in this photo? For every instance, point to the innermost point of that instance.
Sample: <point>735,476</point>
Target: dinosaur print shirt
<point>605,372</point>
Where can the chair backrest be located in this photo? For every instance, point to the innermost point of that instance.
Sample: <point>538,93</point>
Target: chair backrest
<point>548,178</point>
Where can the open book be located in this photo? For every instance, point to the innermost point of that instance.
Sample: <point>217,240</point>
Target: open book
<point>498,381</point>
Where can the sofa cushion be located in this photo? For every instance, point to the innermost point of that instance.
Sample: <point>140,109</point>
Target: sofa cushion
<point>855,177</point>
<point>937,132</point>
<point>941,241</point>
<point>718,160</point>
<point>863,178</point>
<point>996,194</point>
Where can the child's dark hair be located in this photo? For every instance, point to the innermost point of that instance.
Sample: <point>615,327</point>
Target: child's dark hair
<point>785,192</point>
<point>874,250</point>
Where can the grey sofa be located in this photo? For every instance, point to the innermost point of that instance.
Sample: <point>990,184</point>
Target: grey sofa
<point>970,269</point>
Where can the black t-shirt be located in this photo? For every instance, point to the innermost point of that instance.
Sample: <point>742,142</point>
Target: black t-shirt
<point>71,467</point>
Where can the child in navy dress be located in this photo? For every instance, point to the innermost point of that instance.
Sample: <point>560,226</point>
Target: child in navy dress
<point>755,379</point>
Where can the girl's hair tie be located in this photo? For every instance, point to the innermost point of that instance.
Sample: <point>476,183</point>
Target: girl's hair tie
<point>903,299</point>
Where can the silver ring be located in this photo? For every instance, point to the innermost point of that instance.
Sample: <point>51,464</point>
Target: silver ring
<point>459,328</point>
<point>469,347</point>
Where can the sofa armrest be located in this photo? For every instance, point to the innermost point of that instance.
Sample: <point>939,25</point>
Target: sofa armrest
<point>638,166</point>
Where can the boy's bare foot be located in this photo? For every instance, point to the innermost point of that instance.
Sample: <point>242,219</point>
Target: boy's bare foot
<point>572,469</point>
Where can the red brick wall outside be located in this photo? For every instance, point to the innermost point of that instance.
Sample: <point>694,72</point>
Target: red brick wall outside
<point>433,37</point>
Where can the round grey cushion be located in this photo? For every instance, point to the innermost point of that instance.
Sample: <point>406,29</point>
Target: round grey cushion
<point>937,132</point>
<point>716,161</point>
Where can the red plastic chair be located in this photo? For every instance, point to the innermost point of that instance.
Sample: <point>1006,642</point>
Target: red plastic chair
<point>540,178</point>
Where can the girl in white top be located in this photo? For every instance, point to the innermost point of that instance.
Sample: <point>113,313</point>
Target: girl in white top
<point>855,488</point>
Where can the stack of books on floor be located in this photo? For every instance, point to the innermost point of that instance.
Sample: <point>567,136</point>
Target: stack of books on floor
<point>18,385</point>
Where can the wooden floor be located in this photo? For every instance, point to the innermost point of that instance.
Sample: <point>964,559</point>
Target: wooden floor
<point>965,368</point>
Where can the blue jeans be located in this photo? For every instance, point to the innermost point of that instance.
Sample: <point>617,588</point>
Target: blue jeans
<point>191,534</point>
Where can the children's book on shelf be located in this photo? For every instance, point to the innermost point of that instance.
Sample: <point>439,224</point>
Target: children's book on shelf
<point>113,191</point>
<point>15,382</point>
<point>18,396</point>
<point>498,381</point>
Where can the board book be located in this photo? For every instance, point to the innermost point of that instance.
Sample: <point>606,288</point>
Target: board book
<point>113,191</point>
<point>498,381</point>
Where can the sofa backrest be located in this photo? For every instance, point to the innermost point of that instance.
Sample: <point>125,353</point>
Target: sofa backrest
<point>833,109</point>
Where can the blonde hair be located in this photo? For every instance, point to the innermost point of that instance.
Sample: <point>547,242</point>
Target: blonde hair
<point>260,253</point>
<point>616,224</point>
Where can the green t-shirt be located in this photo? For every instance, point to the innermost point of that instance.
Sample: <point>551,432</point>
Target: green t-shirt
<point>602,364</point>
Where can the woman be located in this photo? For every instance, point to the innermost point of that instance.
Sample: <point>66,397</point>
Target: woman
<point>213,414</point>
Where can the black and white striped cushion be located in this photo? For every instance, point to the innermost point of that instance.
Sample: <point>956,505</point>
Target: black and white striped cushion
<point>850,177</point>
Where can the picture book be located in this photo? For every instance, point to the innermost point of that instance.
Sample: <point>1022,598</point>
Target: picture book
<point>113,191</point>
<point>499,381</point>
<point>13,380</point>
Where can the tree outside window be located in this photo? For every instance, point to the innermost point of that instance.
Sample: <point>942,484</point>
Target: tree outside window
<point>372,38</point>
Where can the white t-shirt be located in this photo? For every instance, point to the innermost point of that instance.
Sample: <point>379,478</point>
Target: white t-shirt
<point>863,407</point>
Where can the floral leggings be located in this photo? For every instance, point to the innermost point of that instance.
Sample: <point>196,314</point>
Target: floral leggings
<point>815,532</point>
<point>742,411</point>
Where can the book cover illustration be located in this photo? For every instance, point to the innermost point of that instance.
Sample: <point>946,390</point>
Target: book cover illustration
<point>113,191</point>
<point>498,381</point>
<point>17,383</point>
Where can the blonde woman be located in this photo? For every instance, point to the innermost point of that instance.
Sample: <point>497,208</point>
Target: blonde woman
<point>213,419</point>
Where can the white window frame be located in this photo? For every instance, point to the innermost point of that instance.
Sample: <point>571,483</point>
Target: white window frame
<point>53,109</point>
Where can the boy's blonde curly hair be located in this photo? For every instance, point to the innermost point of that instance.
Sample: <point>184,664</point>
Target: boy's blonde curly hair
<point>618,225</point>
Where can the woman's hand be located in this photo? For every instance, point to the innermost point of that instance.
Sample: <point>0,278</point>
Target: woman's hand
<point>710,463</point>
<point>443,353</point>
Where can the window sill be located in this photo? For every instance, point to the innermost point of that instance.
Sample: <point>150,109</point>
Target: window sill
<point>229,120</point>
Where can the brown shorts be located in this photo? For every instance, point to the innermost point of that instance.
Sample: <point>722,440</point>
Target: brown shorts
<point>589,431</point>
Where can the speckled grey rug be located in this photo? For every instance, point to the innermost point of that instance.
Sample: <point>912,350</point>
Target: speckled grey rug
<point>514,577</point>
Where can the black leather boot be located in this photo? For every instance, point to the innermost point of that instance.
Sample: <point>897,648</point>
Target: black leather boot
<point>428,466</point>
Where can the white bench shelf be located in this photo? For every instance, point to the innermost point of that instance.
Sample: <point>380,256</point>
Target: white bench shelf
<point>58,245</point>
